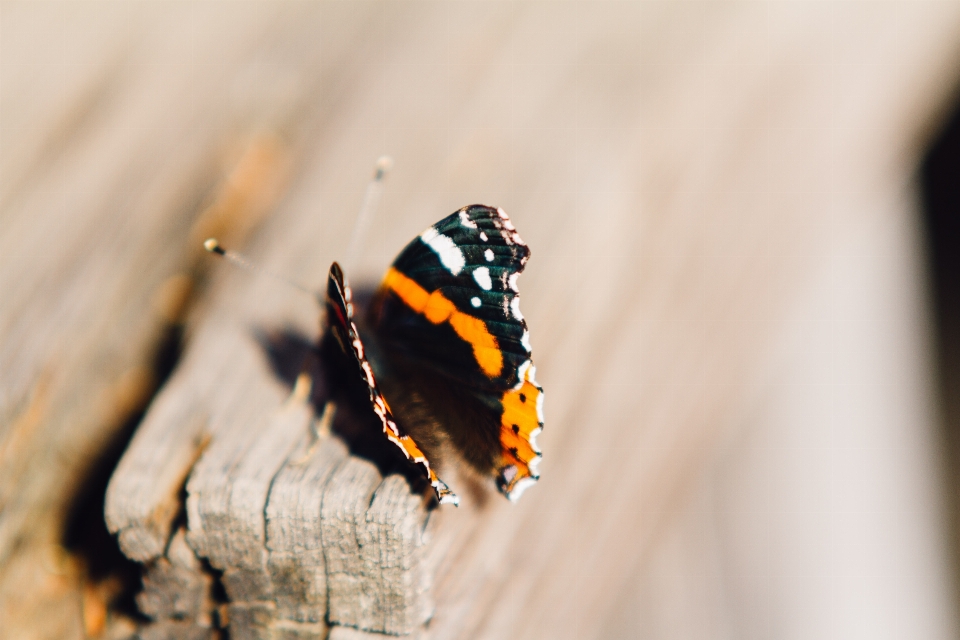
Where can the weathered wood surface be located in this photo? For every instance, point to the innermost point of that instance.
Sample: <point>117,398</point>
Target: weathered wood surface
<point>106,179</point>
<point>708,190</point>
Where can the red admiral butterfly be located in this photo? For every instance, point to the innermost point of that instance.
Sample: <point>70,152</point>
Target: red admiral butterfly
<point>445,341</point>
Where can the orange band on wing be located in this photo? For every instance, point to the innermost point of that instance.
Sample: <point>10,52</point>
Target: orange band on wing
<point>436,308</point>
<point>520,424</point>
<point>413,451</point>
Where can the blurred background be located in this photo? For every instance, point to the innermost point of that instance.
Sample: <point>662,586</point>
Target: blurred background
<point>743,291</point>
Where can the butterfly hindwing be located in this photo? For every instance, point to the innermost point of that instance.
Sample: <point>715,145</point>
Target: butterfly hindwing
<point>339,309</point>
<point>450,304</point>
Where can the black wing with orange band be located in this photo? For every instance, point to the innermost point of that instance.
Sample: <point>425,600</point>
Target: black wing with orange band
<point>450,304</point>
<point>340,322</point>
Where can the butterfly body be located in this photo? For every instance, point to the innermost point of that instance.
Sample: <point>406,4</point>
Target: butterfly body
<point>444,353</point>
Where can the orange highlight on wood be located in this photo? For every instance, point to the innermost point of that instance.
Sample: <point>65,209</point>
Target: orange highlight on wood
<point>436,308</point>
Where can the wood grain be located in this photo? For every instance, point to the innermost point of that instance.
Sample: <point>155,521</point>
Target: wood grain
<point>293,513</point>
<point>176,587</point>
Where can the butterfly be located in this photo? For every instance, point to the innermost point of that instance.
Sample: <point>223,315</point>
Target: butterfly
<point>442,356</point>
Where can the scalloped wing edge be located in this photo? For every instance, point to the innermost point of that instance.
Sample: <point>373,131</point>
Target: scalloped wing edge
<point>344,309</point>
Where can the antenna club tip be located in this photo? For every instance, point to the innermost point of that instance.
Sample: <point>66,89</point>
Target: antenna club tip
<point>211,245</point>
<point>383,166</point>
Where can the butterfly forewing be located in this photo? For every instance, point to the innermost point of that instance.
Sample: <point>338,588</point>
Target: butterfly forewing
<point>450,305</point>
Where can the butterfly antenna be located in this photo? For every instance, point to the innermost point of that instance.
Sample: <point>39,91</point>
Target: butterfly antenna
<point>213,246</point>
<point>371,198</point>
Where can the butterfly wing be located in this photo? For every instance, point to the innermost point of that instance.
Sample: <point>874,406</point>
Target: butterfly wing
<point>340,323</point>
<point>450,306</point>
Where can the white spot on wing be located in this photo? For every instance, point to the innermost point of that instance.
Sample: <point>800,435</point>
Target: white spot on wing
<point>483,236</point>
<point>512,282</point>
<point>465,219</point>
<point>525,341</point>
<point>368,373</point>
<point>449,253</point>
<point>540,406</point>
<point>515,308</point>
<point>522,485</point>
<point>475,301</point>
<point>488,254</point>
<point>533,444</point>
<point>482,276</point>
<point>506,220</point>
<point>522,373</point>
